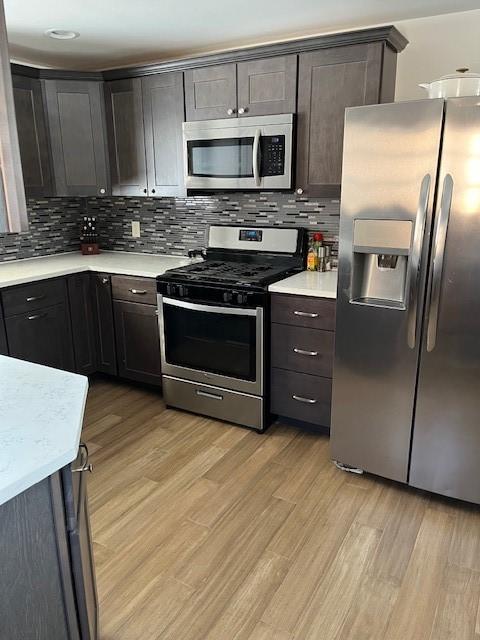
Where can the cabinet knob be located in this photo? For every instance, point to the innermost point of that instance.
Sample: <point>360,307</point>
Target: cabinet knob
<point>145,191</point>
<point>299,191</point>
<point>153,190</point>
<point>230,112</point>
<point>102,191</point>
<point>243,110</point>
<point>104,280</point>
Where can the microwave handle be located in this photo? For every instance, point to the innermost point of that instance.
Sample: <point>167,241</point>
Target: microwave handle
<point>256,169</point>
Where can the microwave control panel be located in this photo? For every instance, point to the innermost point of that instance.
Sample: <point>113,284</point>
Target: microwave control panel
<point>273,155</point>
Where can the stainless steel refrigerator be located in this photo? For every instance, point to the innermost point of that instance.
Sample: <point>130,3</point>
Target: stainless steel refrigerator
<point>406,390</point>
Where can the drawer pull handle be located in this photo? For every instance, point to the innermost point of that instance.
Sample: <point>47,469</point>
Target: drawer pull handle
<point>302,352</point>
<point>305,314</point>
<point>304,400</point>
<point>206,394</point>
<point>138,292</point>
<point>33,298</point>
<point>36,316</point>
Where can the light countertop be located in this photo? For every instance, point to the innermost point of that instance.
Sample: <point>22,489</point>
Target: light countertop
<point>41,415</point>
<point>63,264</point>
<point>308,283</point>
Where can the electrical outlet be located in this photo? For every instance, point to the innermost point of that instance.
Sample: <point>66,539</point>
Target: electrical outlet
<point>135,229</point>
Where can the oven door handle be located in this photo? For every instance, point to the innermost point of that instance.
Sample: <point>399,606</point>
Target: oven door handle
<point>193,306</point>
<point>256,168</point>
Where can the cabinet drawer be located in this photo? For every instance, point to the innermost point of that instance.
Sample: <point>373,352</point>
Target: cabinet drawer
<point>303,350</point>
<point>301,397</point>
<point>32,296</point>
<point>303,311</point>
<point>134,289</point>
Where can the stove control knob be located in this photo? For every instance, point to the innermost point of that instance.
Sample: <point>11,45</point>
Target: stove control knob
<point>240,298</point>
<point>181,290</point>
<point>227,296</point>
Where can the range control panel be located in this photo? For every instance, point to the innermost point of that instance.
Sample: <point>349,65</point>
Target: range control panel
<point>273,155</point>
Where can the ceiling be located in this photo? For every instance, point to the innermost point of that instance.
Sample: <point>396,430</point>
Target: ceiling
<point>115,33</point>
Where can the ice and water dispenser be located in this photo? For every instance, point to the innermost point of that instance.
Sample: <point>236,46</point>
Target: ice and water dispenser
<point>381,250</point>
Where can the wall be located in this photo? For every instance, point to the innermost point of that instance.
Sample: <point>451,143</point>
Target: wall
<point>54,228</point>
<point>168,225</point>
<point>438,46</point>
<point>175,225</point>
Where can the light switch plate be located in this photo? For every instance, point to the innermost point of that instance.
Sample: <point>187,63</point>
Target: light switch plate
<point>136,229</point>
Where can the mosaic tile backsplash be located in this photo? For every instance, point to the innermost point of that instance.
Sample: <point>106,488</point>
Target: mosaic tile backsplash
<point>175,225</point>
<point>168,225</point>
<point>54,228</point>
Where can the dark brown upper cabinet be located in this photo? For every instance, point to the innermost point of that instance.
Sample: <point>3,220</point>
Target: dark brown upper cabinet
<point>163,115</point>
<point>211,92</point>
<point>76,121</point>
<point>253,88</point>
<point>32,136</point>
<point>268,86</point>
<point>126,137</point>
<point>329,80</point>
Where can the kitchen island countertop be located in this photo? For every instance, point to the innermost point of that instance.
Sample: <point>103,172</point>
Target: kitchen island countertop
<point>41,416</point>
<point>308,283</point>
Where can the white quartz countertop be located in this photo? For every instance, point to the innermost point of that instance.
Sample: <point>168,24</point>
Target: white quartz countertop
<point>119,262</point>
<point>41,415</point>
<point>308,283</point>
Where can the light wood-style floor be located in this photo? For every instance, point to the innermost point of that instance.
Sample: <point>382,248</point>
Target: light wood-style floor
<point>203,530</point>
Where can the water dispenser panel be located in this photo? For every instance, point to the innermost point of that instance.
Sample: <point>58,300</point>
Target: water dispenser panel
<point>381,251</point>
<point>386,236</point>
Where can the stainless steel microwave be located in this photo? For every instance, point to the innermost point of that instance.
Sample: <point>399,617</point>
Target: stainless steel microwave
<point>239,153</point>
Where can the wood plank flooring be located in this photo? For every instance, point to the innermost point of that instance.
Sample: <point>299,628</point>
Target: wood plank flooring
<point>207,531</point>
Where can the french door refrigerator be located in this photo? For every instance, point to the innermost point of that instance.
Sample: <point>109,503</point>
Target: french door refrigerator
<point>406,390</point>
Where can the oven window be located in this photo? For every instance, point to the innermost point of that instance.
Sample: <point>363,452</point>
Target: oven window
<point>222,158</point>
<point>211,342</point>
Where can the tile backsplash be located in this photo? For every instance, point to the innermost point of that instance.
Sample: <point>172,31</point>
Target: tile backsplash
<point>175,225</point>
<point>168,225</point>
<point>54,228</point>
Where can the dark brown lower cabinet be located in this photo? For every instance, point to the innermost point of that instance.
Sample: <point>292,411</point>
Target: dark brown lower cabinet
<point>302,345</point>
<point>138,341</point>
<point>82,313</point>
<point>42,336</point>
<point>46,563</point>
<point>3,336</point>
<point>103,317</point>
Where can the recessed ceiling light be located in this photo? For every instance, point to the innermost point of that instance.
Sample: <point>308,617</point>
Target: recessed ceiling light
<point>61,34</point>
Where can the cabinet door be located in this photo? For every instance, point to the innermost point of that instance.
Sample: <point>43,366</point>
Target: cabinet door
<point>267,87</point>
<point>329,81</point>
<point>80,295</point>
<point>138,341</point>
<point>163,108</point>
<point>211,92</point>
<point>103,318</point>
<point>126,139</point>
<point>3,336</point>
<point>77,132</point>
<point>43,337</point>
<point>32,136</point>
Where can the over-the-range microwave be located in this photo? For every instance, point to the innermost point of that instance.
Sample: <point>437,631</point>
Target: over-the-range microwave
<point>239,153</point>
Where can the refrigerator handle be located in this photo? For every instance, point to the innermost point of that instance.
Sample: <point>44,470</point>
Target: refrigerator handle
<point>415,261</point>
<point>437,261</point>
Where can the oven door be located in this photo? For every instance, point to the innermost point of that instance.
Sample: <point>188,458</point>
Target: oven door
<point>221,346</point>
<point>238,157</point>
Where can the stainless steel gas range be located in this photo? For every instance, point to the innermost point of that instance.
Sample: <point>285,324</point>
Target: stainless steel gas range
<point>213,319</point>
